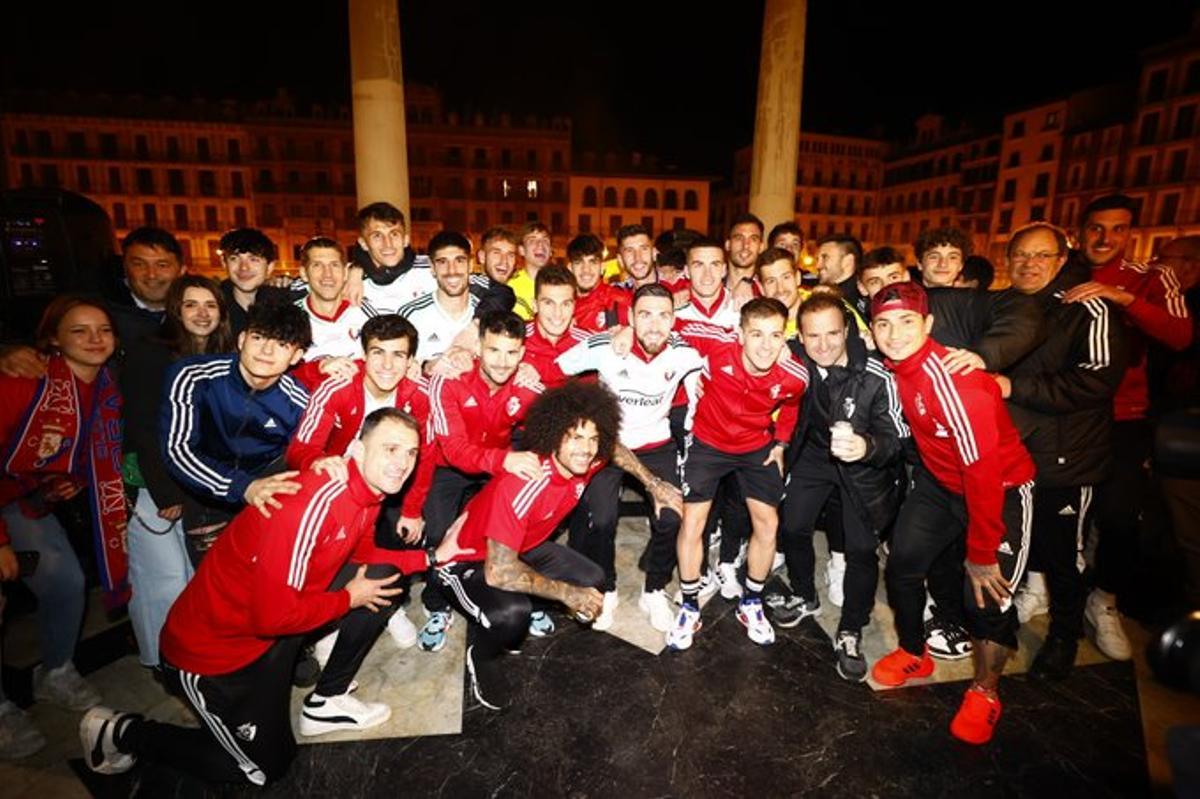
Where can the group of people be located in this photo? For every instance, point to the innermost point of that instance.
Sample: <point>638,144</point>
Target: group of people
<point>272,466</point>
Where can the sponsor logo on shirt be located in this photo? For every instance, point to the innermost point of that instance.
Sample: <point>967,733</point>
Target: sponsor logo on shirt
<point>727,369</point>
<point>941,432</point>
<point>470,403</point>
<point>270,425</point>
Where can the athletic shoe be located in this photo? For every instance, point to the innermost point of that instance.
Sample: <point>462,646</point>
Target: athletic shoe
<point>727,577</point>
<point>605,620</point>
<point>540,624</point>
<point>976,718</point>
<point>1101,613</point>
<point>64,687</point>
<point>708,586</point>
<point>686,625</point>
<point>433,634</point>
<point>306,670</point>
<point>18,737</point>
<point>488,684</point>
<point>835,575</point>
<point>98,736</point>
<point>323,714</point>
<point>402,630</point>
<point>1055,659</point>
<point>778,563</point>
<point>750,614</point>
<point>654,604</point>
<point>1032,598</point>
<point>323,648</point>
<point>946,640</point>
<point>788,610</point>
<point>898,667</point>
<point>851,665</point>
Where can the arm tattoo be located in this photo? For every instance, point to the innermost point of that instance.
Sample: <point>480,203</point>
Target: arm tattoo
<point>505,570</point>
<point>624,458</point>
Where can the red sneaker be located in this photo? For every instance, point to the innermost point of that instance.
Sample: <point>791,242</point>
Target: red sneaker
<point>976,718</point>
<point>898,667</point>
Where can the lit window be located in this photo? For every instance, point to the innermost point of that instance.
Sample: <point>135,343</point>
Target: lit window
<point>531,189</point>
<point>505,188</point>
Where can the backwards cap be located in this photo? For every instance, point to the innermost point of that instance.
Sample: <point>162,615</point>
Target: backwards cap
<point>906,296</point>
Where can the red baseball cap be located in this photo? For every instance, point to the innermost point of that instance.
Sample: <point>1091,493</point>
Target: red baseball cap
<point>907,296</point>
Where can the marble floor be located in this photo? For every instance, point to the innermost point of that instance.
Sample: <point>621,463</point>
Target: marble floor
<point>607,714</point>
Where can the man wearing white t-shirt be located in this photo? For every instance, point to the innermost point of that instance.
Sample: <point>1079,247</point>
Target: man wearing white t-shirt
<point>443,313</point>
<point>335,322</point>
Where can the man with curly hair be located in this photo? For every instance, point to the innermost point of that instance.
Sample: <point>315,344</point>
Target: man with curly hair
<point>941,254</point>
<point>573,430</point>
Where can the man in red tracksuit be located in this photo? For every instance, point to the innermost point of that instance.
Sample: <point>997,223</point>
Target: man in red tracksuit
<point>598,305</point>
<point>974,476</point>
<point>552,332</point>
<point>1154,312</point>
<point>231,638</point>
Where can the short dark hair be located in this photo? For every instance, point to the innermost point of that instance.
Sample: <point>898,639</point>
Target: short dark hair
<point>824,301</point>
<point>57,309</point>
<point>942,237</point>
<point>763,308</point>
<point>156,237</point>
<point>652,290</point>
<point>784,228</point>
<point>1110,202</point>
<point>281,321</point>
<point>583,245</point>
<point>248,241</point>
<point>319,243</point>
<point>559,410</point>
<point>387,414</point>
<point>502,323</point>
<point>771,255</point>
<point>533,226</point>
<point>847,244</point>
<point>748,219</point>
<point>448,238</point>
<point>980,269</point>
<point>675,257</point>
<point>878,257</point>
<point>675,238</point>
<point>703,242</point>
<point>379,212</point>
<point>501,233</point>
<point>386,327</point>
<point>553,275</point>
<point>625,231</point>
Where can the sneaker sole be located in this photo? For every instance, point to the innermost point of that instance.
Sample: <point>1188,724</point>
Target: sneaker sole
<point>310,727</point>
<point>850,677</point>
<point>676,648</point>
<point>118,765</point>
<point>947,656</point>
<point>745,623</point>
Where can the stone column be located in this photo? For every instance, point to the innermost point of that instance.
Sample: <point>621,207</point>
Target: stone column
<point>377,81</point>
<point>777,118</point>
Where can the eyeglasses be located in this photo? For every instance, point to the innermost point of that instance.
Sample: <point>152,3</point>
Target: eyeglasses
<point>1032,257</point>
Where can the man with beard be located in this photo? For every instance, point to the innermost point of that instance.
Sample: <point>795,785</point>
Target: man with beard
<point>636,255</point>
<point>744,245</point>
<point>446,311</point>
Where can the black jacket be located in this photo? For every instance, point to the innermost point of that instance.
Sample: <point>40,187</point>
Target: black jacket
<point>864,394</point>
<point>999,326</point>
<point>148,362</point>
<point>1062,391</point>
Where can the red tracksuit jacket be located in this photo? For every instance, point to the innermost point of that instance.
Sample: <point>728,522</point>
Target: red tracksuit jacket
<point>471,425</point>
<point>541,353</point>
<point>966,439</point>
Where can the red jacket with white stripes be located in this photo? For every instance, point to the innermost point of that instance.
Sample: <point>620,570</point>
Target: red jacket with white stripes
<point>269,578</point>
<point>966,439</point>
<point>520,513</point>
<point>1158,311</point>
<point>472,425</point>
<point>541,353</point>
<point>735,413</point>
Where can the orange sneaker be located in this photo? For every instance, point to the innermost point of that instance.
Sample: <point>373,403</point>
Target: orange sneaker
<point>898,667</point>
<point>976,718</point>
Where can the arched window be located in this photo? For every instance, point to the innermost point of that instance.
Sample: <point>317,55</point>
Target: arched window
<point>589,196</point>
<point>691,201</point>
<point>610,197</point>
<point>630,198</point>
<point>651,199</point>
<point>670,200</point>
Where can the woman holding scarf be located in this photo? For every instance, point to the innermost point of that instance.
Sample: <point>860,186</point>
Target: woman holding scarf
<point>60,435</point>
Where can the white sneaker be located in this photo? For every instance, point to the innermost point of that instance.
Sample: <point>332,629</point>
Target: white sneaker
<point>654,604</point>
<point>322,714</point>
<point>778,563</point>
<point>18,737</point>
<point>728,579</point>
<point>402,630</point>
<point>750,614</point>
<point>835,574</point>
<point>708,586</point>
<point>684,629</point>
<point>605,620</point>
<point>98,738</point>
<point>1101,613</point>
<point>323,648</point>
<point>64,687</point>
<point>1032,598</point>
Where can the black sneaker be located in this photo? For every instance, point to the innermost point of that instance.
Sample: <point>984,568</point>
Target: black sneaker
<point>851,665</point>
<point>307,670</point>
<point>488,684</point>
<point>1055,659</point>
<point>788,610</point>
<point>947,640</point>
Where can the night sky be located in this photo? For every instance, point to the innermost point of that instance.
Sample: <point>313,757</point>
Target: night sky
<point>661,77</point>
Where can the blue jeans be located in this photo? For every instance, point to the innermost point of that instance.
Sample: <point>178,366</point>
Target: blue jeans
<point>57,582</point>
<point>159,569</point>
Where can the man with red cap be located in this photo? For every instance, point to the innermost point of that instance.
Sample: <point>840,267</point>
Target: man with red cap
<point>974,477</point>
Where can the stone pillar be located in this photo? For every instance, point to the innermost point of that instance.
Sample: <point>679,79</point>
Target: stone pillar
<point>777,118</point>
<point>377,82</point>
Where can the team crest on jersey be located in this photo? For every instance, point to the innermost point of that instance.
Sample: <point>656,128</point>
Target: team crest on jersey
<point>407,407</point>
<point>848,407</point>
<point>600,315</point>
<point>247,731</point>
<point>920,403</point>
<point>513,406</point>
<point>775,391</point>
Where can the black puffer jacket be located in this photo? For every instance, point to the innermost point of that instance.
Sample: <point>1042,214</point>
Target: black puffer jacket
<point>999,326</point>
<point>864,394</point>
<point>1062,391</point>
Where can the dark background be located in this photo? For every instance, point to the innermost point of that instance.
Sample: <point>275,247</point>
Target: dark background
<point>673,78</point>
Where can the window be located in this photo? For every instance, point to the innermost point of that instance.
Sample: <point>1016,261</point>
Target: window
<point>850,209</point>
<point>208,183</point>
<point>815,206</point>
<point>266,181</point>
<point>1014,159</point>
<point>585,223</point>
<point>691,201</point>
<point>1037,213</point>
<point>1177,170</point>
<point>1005,221</point>
<point>270,217</point>
<point>1073,180</point>
<point>175,182</point>
<point>238,187</point>
<point>293,180</point>
<point>319,150</point>
<point>589,196</point>
<point>506,158</point>
<point>610,197</point>
<point>1141,170</point>
<point>234,148</point>
<point>939,198</point>
<point>264,147</point>
<point>867,206</point>
<point>1148,132</point>
<point>863,230</point>
<point>836,180</point>
<point>180,215</point>
<point>817,176</point>
<point>833,204</point>
<point>925,200</point>
<point>145,181</point>
<point>557,192</point>
<point>531,159</point>
<point>614,224</point>
<point>556,160</point>
<point>1068,215</point>
<point>76,143</point>
<point>1047,153</point>
<point>173,148</point>
<point>1168,209</point>
<point>630,198</point>
<point>120,220</point>
<point>1105,171</point>
<point>202,150</point>
<point>531,189</point>
<point>1185,121</point>
<point>650,199</point>
<point>114,180</point>
<point>140,148</point>
<point>1018,129</point>
<point>1156,86</point>
<point>1051,120</point>
<point>41,140</point>
<point>108,145</point>
<point>83,179</point>
<point>1191,83</point>
<point>210,218</point>
<point>239,216</point>
<point>670,200</point>
<point>149,214</point>
<point>556,220</point>
<point>678,223</point>
<point>1041,186</point>
<point>1010,191</point>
